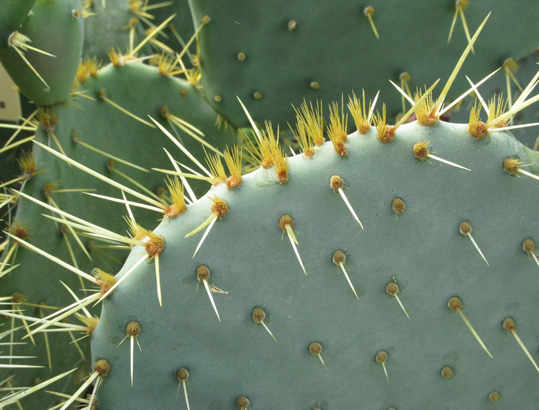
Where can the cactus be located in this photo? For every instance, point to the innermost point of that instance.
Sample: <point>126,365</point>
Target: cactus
<point>279,58</point>
<point>13,15</point>
<point>438,243</point>
<point>47,75</point>
<point>523,72</point>
<point>72,127</point>
<point>427,250</point>
<point>121,136</point>
<point>348,297</point>
<point>375,184</point>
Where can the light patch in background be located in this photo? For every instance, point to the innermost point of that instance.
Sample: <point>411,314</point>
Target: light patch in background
<point>10,101</point>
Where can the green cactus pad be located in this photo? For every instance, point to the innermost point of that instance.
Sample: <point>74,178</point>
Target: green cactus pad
<point>48,27</point>
<point>272,54</point>
<point>432,359</point>
<point>13,14</point>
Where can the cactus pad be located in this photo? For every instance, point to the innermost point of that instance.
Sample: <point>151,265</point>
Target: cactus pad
<point>438,242</point>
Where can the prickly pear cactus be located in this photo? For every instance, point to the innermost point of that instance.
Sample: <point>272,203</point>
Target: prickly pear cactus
<point>412,293</point>
<point>367,270</point>
<point>39,58</point>
<point>277,53</point>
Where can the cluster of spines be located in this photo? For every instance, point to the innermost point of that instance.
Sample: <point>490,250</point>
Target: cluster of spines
<point>269,154</point>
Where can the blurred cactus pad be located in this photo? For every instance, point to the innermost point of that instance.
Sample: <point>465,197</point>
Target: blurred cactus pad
<point>277,53</point>
<point>377,252</point>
